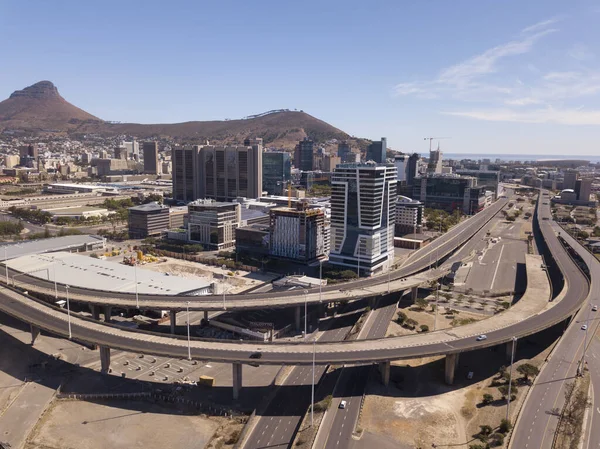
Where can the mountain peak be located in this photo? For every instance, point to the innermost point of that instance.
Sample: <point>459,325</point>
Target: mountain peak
<point>39,90</point>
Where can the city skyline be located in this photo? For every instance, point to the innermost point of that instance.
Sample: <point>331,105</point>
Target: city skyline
<point>507,79</point>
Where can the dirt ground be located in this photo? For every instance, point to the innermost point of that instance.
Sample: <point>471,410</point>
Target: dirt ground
<point>86,425</point>
<point>427,318</point>
<point>418,409</point>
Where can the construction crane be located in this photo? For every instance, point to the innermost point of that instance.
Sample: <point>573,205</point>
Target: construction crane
<point>434,138</point>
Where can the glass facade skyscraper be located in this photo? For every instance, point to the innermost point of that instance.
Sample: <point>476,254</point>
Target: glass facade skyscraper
<point>277,171</point>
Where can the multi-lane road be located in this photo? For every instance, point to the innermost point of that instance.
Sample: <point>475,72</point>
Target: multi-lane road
<point>537,425</point>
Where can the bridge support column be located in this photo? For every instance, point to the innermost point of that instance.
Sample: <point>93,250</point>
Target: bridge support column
<point>237,380</point>
<point>510,347</point>
<point>414,293</point>
<point>104,359</point>
<point>107,313</point>
<point>35,332</point>
<point>322,310</point>
<point>297,316</point>
<point>206,316</point>
<point>173,320</point>
<point>451,364</point>
<point>384,369</point>
<point>95,312</point>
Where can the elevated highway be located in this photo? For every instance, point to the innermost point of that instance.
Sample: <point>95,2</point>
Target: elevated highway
<point>451,343</point>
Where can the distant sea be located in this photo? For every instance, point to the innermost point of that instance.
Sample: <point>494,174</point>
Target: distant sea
<point>515,157</point>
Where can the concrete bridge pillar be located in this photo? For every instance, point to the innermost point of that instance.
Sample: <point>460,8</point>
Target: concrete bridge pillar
<point>414,293</point>
<point>384,369</point>
<point>173,320</point>
<point>104,359</point>
<point>297,316</point>
<point>451,364</point>
<point>107,313</point>
<point>95,310</point>
<point>510,347</point>
<point>206,316</point>
<point>237,380</point>
<point>35,332</point>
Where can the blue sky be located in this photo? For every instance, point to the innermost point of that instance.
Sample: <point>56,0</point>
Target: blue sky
<point>495,76</point>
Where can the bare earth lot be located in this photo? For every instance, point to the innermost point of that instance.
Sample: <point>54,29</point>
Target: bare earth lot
<point>86,425</point>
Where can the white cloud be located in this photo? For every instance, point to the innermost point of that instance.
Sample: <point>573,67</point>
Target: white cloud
<point>534,97</point>
<point>540,25</point>
<point>581,53</point>
<point>567,116</point>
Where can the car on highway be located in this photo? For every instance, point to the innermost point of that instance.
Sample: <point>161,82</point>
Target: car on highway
<point>343,404</point>
<point>256,355</point>
<point>481,337</point>
<point>584,327</point>
<point>594,308</point>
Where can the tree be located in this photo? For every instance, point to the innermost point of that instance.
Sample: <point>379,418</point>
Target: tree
<point>411,324</point>
<point>401,318</point>
<point>503,389</point>
<point>487,399</point>
<point>421,303</point>
<point>505,426</point>
<point>424,328</point>
<point>527,369</point>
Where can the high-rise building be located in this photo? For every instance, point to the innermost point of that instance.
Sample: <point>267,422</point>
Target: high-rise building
<point>151,165</point>
<point>412,169</point>
<point>377,151</point>
<point>28,156</point>
<point>583,187</point>
<point>132,149</point>
<point>363,214</point>
<point>221,173</point>
<point>401,163</point>
<point>213,223</point>
<point>303,155</point>
<point>86,157</point>
<point>121,153</point>
<point>277,171</point>
<point>330,162</point>
<point>11,161</point>
<point>344,151</point>
<point>435,161</point>
<point>297,233</point>
<point>570,180</point>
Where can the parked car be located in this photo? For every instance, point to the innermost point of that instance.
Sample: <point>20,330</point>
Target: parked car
<point>584,327</point>
<point>594,308</point>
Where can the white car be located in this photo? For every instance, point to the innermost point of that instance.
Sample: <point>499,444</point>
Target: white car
<point>482,337</point>
<point>584,327</point>
<point>343,404</point>
<point>594,308</point>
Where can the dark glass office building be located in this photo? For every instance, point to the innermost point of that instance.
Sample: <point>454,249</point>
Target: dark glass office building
<point>277,172</point>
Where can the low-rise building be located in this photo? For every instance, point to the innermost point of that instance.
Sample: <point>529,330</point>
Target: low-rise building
<point>177,216</point>
<point>212,223</point>
<point>147,220</point>
<point>409,215</point>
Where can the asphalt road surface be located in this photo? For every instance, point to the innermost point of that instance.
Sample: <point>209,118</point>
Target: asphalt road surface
<point>536,425</point>
<point>277,425</point>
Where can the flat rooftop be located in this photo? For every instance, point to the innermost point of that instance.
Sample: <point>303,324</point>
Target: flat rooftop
<point>40,246</point>
<point>87,272</point>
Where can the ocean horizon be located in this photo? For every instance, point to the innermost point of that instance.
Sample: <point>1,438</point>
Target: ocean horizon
<point>515,157</point>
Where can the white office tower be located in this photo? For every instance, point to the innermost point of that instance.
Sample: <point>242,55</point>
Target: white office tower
<point>401,161</point>
<point>363,213</point>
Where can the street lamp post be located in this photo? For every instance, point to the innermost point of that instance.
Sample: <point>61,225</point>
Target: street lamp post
<point>312,393</point>
<point>512,359</point>
<point>187,304</point>
<point>137,298</point>
<point>320,280</point>
<point>68,311</point>
<point>305,312</point>
<point>224,268</point>
<point>54,275</point>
